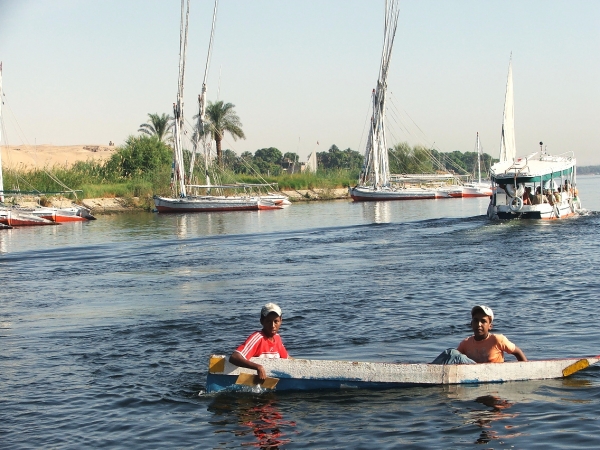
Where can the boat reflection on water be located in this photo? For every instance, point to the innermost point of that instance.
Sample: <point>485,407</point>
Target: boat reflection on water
<point>252,414</point>
<point>498,398</point>
<point>497,420</point>
<point>486,419</point>
<point>382,212</point>
<point>377,212</point>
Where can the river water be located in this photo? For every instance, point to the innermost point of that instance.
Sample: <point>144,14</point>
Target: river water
<point>106,327</point>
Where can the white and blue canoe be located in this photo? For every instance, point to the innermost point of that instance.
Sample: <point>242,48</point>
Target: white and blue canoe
<point>306,374</point>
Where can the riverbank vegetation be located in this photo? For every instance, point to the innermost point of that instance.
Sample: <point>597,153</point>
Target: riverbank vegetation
<point>142,166</point>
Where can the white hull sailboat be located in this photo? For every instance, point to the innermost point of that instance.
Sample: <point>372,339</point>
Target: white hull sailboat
<point>20,216</point>
<point>183,200</point>
<point>374,181</point>
<point>477,188</point>
<point>368,193</point>
<point>15,218</point>
<point>537,186</point>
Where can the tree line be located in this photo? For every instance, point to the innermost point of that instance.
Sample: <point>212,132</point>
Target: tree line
<point>151,149</point>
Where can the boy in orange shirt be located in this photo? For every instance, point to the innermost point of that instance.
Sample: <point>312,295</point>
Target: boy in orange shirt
<point>483,346</point>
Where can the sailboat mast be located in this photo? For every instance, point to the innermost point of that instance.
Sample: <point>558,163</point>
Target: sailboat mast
<point>478,159</point>
<point>376,169</point>
<point>1,103</point>
<point>508,150</point>
<point>201,132</point>
<point>178,169</point>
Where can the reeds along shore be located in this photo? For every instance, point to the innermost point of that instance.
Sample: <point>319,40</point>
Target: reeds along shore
<point>110,205</point>
<point>101,191</point>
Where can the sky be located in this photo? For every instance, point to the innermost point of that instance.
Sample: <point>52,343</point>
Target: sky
<point>86,72</point>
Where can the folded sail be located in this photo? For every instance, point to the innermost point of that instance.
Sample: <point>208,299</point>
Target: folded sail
<point>311,165</point>
<point>508,149</point>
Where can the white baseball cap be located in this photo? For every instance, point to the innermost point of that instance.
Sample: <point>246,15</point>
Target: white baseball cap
<point>486,310</point>
<point>269,308</point>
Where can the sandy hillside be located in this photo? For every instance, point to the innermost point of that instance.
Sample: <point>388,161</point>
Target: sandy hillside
<point>30,157</point>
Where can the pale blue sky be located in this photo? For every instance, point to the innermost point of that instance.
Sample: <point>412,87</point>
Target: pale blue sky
<point>86,72</point>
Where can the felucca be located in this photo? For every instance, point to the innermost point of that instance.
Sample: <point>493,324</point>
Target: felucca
<point>183,200</point>
<point>21,216</point>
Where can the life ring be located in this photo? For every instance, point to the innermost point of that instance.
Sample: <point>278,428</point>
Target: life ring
<point>512,192</point>
<point>516,204</point>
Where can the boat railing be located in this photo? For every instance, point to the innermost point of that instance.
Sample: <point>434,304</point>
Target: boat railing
<point>566,156</point>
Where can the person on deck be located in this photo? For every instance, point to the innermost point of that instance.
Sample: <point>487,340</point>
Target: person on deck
<point>538,198</point>
<point>262,344</point>
<point>483,346</point>
<point>527,197</point>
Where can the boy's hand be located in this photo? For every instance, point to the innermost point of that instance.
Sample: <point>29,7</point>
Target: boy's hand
<point>237,359</point>
<point>262,374</point>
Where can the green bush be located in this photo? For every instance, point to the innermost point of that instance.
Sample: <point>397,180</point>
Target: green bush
<point>140,155</point>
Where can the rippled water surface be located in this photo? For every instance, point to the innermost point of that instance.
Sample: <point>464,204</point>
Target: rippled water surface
<point>106,327</point>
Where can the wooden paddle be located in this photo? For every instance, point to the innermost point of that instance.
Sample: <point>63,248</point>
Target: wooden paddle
<point>250,379</point>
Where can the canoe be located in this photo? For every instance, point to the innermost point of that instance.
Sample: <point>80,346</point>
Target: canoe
<point>305,374</point>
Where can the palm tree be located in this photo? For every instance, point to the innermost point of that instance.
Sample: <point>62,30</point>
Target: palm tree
<point>221,117</point>
<point>159,126</point>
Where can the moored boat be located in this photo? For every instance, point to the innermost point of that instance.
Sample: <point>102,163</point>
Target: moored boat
<point>304,374</point>
<point>19,216</point>
<point>200,198</point>
<point>14,218</point>
<point>74,213</point>
<point>205,204</point>
<point>477,188</point>
<point>450,192</point>
<point>369,193</point>
<point>374,181</point>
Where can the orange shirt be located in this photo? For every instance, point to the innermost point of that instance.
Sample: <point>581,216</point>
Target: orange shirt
<point>489,350</point>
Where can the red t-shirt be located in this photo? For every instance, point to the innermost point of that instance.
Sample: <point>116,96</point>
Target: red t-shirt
<point>259,346</point>
<point>489,350</point>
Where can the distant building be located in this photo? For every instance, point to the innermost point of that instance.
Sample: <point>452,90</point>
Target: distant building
<point>292,167</point>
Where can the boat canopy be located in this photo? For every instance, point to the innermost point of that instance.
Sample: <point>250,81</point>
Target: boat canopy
<point>505,178</point>
<point>535,168</point>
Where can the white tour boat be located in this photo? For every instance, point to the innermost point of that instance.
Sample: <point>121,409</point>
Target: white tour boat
<point>538,186</point>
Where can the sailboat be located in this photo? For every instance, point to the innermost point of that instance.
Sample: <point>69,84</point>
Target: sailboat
<point>478,188</point>
<point>311,162</point>
<point>182,200</point>
<point>22,216</point>
<point>374,180</point>
<point>537,186</point>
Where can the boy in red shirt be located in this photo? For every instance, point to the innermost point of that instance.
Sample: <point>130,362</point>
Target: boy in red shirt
<point>262,344</point>
<point>483,346</point>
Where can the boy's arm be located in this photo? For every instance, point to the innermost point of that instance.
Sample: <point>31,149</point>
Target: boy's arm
<point>238,359</point>
<point>519,354</point>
